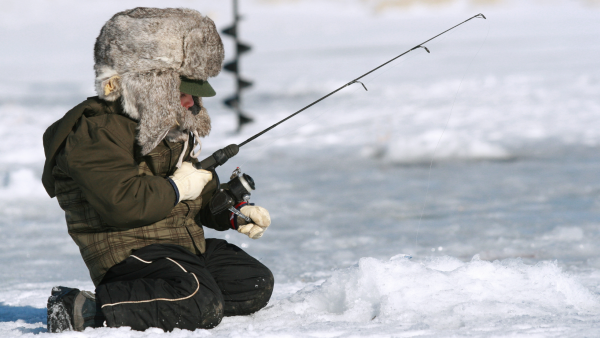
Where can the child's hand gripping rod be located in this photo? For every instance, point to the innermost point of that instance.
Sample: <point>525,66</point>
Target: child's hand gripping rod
<point>238,188</point>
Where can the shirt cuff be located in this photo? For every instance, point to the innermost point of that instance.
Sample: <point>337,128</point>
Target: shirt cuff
<point>176,190</point>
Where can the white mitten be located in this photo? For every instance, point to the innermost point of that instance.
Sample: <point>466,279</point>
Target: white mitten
<point>260,218</point>
<point>190,181</point>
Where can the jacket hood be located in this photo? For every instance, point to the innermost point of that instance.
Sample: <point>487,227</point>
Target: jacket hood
<point>140,56</point>
<point>57,133</point>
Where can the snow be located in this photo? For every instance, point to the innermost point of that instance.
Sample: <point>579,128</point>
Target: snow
<point>480,161</point>
<point>441,294</point>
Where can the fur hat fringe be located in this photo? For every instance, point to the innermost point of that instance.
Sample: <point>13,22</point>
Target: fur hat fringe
<point>140,56</point>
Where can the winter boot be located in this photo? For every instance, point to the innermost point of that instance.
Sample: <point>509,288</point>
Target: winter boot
<point>73,310</point>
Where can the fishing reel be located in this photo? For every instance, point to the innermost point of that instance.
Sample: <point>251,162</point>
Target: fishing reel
<point>237,190</point>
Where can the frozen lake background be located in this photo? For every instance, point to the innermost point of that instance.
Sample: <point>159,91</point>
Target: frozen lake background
<point>481,160</point>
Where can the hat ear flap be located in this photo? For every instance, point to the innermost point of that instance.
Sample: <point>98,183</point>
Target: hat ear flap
<point>153,99</point>
<point>204,52</point>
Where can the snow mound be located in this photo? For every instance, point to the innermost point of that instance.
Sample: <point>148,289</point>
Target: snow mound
<point>564,234</point>
<point>443,293</point>
<point>441,146</point>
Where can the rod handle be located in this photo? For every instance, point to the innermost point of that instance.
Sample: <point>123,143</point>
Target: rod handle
<point>218,158</point>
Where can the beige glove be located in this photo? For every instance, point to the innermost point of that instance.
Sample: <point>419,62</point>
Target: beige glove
<point>190,181</point>
<point>260,217</point>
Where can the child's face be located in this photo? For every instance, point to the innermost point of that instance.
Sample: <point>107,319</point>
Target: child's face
<point>186,100</point>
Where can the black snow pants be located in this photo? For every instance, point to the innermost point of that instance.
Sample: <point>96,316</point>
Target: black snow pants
<point>166,286</point>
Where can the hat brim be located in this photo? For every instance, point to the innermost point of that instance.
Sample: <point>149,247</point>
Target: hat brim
<point>196,87</point>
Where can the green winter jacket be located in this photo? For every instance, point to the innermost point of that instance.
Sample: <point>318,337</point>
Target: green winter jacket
<point>116,200</point>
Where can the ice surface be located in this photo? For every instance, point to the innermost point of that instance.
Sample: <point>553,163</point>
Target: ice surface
<point>479,160</point>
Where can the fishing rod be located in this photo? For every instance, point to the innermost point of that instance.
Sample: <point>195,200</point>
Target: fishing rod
<point>222,155</point>
<point>242,184</point>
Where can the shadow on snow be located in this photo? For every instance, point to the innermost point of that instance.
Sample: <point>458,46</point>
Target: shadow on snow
<point>28,314</point>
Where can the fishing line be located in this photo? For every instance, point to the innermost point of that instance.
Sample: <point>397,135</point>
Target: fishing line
<point>443,131</point>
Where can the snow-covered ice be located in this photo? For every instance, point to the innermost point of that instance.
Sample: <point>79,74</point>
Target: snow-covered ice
<point>479,160</point>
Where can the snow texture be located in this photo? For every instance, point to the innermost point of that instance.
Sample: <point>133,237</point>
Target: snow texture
<point>480,161</point>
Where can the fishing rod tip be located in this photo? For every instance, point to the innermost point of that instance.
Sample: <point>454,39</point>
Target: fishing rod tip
<point>480,15</point>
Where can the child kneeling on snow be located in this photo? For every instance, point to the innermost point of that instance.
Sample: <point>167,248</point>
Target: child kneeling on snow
<point>120,165</point>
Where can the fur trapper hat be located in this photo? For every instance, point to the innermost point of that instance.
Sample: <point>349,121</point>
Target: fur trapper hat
<point>140,56</point>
